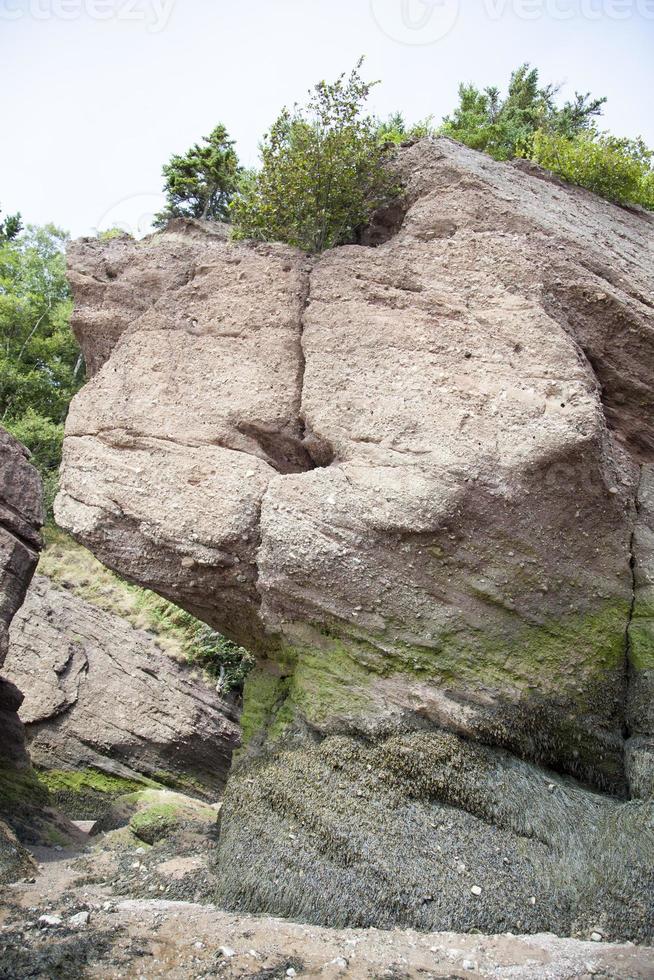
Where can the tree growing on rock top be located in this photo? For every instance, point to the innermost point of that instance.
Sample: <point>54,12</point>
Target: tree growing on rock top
<point>505,127</point>
<point>202,182</point>
<point>322,173</point>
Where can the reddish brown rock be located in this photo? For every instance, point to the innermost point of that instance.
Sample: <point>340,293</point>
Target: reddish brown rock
<point>102,695</point>
<point>21,517</point>
<point>406,475</point>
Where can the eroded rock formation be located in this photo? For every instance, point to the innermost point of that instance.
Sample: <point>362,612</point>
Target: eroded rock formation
<point>415,478</point>
<point>21,517</point>
<point>102,695</point>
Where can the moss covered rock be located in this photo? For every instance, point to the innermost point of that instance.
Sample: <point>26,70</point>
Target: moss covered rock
<point>152,815</point>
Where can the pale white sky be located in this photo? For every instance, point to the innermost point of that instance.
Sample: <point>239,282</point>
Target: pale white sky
<point>98,93</point>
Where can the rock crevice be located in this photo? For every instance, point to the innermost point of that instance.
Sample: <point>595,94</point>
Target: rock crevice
<point>428,522</point>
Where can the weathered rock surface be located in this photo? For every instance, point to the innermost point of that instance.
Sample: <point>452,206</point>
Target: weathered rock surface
<point>15,861</point>
<point>102,695</point>
<point>408,476</point>
<point>21,517</point>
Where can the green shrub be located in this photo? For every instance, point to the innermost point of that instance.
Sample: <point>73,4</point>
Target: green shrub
<point>617,169</point>
<point>111,233</point>
<point>396,130</point>
<point>43,437</point>
<point>505,127</point>
<point>322,173</point>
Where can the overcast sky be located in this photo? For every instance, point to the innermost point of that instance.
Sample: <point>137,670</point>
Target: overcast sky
<point>96,94</point>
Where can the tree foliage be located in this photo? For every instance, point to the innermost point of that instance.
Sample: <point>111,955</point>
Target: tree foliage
<point>202,182</point>
<point>40,363</point>
<point>505,127</point>
<point>322,172</point>
<point>564,139</point>
<point>618,169</point>
<point>10,227</point>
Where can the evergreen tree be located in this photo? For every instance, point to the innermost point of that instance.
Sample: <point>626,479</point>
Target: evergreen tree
<point>202,182</point>
<point>10,227</point>
<point>505,128</point>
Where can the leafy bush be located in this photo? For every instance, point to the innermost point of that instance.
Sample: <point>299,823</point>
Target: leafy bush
<point>395,129</point>
<point>617,169</point>
<point>43,437</point>
<point>505,128</point>
<point>565,139</point>
<point>110,233</point>
<point>322,173</point>
<point>202,182</point>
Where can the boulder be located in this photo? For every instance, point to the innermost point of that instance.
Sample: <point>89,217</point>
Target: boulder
<point>21,517</point>
<point>409,474</point>
<point>106,710</point>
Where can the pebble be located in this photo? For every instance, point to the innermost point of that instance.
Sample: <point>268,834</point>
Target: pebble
<point>469,964</point>
<point>49,921</point>
<point>340,962</point>
<point>80,919</point>
<point>476,890</point>
<point>290,972</point>
<point>596,937</point>
<point>227,952</point>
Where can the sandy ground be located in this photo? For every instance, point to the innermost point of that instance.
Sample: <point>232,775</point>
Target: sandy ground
<point>155,937</point>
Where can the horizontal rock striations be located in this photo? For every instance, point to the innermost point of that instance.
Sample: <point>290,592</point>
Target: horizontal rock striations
<point>412,477</point>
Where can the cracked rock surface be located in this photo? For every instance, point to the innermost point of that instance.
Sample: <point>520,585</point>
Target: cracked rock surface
<point>413,478</point>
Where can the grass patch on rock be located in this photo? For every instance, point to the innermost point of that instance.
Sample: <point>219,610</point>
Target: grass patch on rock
<point>178,633</point>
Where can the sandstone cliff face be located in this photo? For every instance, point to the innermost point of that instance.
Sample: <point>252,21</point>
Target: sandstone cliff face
<point>414,478</point>
<point>21,517</point>
<point>102,695</point>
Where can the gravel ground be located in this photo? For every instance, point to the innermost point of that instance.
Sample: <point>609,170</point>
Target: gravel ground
<point>154,936</point>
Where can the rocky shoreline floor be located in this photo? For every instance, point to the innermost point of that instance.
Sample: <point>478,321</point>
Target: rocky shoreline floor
<point>84,915</point>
